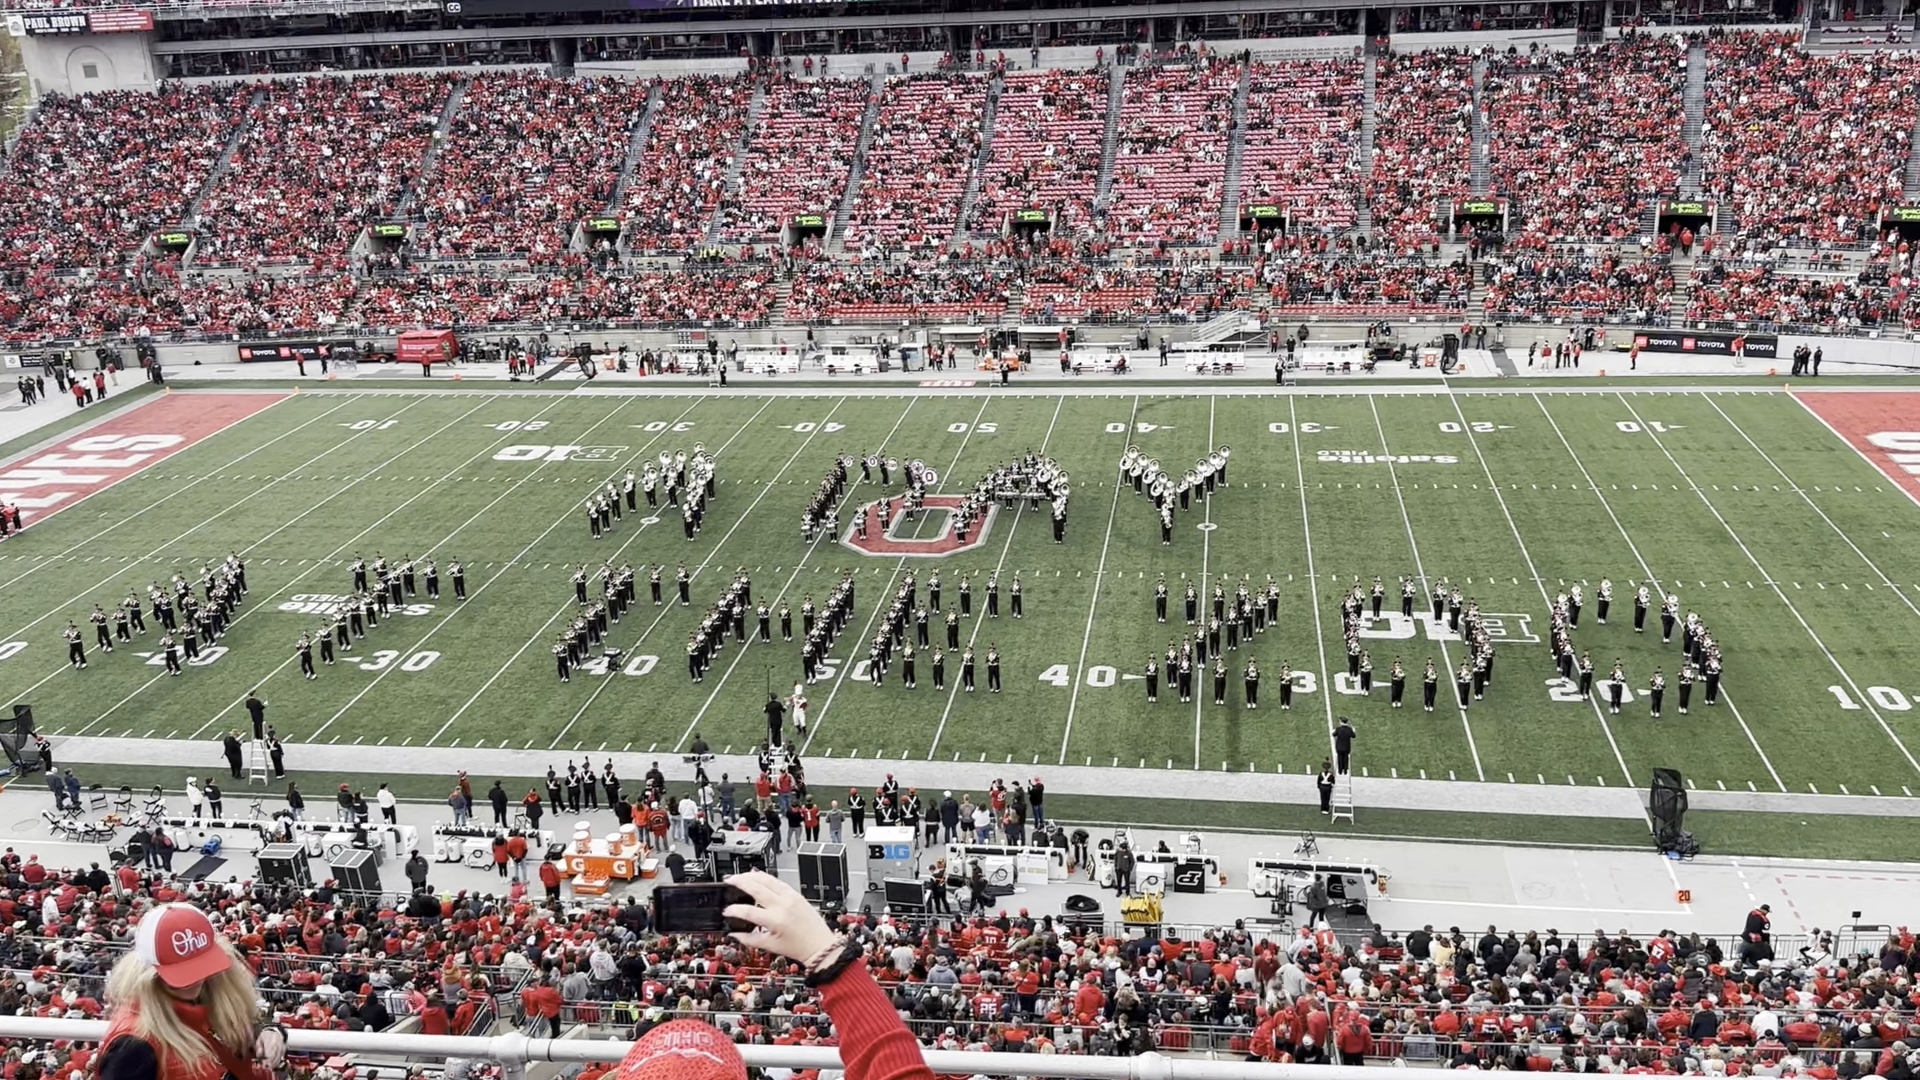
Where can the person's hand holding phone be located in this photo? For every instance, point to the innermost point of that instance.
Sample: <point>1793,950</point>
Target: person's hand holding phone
<point>784,922</point>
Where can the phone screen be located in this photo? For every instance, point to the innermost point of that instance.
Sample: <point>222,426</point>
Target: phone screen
<point>695,908</point>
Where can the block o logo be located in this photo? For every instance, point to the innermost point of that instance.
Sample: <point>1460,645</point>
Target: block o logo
<point>937,544</point>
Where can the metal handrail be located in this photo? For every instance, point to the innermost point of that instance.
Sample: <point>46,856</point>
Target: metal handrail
<point>514,1051</point>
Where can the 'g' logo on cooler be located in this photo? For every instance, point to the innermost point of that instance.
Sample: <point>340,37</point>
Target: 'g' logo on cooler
<point>188,942</point>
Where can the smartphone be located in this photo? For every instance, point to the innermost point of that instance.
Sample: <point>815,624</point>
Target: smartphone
<point>695,908</point>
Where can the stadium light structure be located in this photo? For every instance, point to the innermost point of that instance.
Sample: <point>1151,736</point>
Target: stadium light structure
<point>514,1051</point>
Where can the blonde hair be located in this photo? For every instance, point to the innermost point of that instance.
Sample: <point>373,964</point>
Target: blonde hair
<point>228,997</point>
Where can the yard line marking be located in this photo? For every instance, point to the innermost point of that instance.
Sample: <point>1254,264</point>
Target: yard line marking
<point>953,692</point>
<point>61,556</point>
<point>1206,550</point>
<point>1420,568</point>
<point>1768,458</point>
<point>566,515</point>
<point>335,553</point>
<point>1093,606</point>
<point>1865,699</point>
<point>665,608</point>
<point>1313,579</point>
<point>266,603</point>
<point>1546,601</point>
<point>1647,569</point>
<point>81,432</point>
<point>739,654</point>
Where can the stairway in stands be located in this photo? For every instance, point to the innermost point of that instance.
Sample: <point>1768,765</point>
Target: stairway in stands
<point>1481,175</point>
<point>732,179</point>
<point>1911,191</point>
<point>1363,154</point>
<point>1116,93</point>
<point>837,228</point>
<point>225,161</point>
<point>454,99</point>
<point>977,173</point>
<point>1694,127</point>
<point>636,146</point>
<point>1236,151</point>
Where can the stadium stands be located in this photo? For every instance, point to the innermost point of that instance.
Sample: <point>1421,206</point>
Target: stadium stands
<point>925,143</point>
<point>1579,287</point>
<point>1580,141</point>
<point>320,159</point>
<point>1048,136</point>
<point>999,979</point>
<point>526,158</point>
<point>1303,121</point>
<point>1422,144</point>
<point>1806,148</point>
<point>93,176</point>
<point>678,183</point>
<point>798,157</point>
<point>1170,161</point>
<point>1799,149</point>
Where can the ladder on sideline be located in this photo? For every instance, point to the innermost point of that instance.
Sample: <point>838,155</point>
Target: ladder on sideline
<point>257,763</point>
<point>1342,802</point>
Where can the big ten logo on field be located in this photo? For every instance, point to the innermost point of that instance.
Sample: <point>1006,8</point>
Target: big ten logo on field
<point>329,604</point>
<point>1393,626</point>
<point>543,453</point>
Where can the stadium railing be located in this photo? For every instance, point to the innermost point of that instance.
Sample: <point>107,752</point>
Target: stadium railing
<point>515,1051</point>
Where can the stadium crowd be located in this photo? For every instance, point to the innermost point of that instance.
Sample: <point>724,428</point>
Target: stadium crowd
<point>926,139</point>
<point>1049,132</point>
<point>1586,172</point>
<point>675,188</point>
<point>525,159</point>
<point>1422,143</point>
<point>993,978</point>
<point>1303,120</point>
<point>1801,148</point>
<point>1170,155</point>
<point>1578,286</point>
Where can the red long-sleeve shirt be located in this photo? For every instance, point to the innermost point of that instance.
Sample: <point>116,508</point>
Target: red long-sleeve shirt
<point>874,1044</point>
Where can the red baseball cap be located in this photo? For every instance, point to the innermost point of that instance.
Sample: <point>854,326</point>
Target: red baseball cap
<point>683,1050</point>
<point>180,943</point>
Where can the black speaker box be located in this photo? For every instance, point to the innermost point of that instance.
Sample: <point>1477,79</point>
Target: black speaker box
<point>354,870</point>
<point>285,864</point>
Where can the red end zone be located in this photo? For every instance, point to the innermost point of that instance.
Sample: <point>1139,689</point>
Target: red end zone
<point>89,461</point>
<point>1883,428</point>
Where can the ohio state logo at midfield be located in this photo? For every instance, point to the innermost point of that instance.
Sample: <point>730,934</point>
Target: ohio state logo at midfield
<point>924,538</point>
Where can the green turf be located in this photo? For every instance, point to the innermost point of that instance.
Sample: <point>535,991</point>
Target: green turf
<point>1513,519</point>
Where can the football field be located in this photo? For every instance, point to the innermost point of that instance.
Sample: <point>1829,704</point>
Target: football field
<point>1768,514</point>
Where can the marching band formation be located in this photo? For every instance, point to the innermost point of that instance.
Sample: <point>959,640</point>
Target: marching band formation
<point>686,480</point>
<point>223,584</point>
<point>1699,652</point>
<point>1168,493</point>
<point>1235,619</point>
